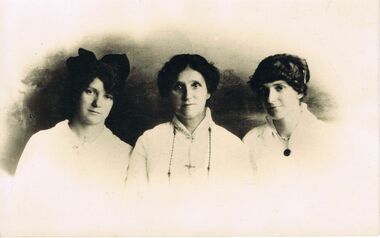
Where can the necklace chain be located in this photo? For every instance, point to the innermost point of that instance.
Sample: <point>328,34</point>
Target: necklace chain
<point>285,140</point>
<point>189,166</point>
<point>171,152</point>
<point>209,151</point>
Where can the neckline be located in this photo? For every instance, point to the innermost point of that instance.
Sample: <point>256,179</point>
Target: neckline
<point>76,141</point>
<point>300,120</point>
<point>205,123</point>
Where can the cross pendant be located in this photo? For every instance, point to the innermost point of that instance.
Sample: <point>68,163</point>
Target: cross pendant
<point>189,166</point>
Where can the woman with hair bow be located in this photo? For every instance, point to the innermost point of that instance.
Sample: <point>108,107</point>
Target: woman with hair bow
<point>78,166</point>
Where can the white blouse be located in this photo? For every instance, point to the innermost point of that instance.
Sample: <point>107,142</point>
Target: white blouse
<point>61,182</point>
<point>309,147</point>
<point>170,154</point>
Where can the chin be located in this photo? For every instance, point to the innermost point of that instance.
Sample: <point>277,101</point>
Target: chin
<point>275,117</point>
<point>94,122</point>
<point>186,116</point>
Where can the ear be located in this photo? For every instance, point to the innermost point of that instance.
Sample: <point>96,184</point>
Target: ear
<point>208,95</point>
<point>300,96</point>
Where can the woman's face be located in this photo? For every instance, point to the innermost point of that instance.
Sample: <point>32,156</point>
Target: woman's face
<point>189,95</point>
<point>279,99</point>
<point>94,104</point>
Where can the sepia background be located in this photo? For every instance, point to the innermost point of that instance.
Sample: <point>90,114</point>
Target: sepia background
<point>338,38</point>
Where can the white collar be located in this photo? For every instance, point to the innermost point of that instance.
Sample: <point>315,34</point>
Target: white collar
<point>207,122</point>
<point>305,116</point>
<point>64,127</point>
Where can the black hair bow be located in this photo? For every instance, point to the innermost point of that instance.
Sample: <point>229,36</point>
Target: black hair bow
<point>86,61</point>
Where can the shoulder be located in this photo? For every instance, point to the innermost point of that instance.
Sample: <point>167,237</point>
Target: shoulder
<point>255,133</point>
<point>153,139</point>
<point>159,131</point>
<point>226,135</point>
<point>311,124</point>
<point>117,142</point>
<point>38,144</point>
<point>49,135</point>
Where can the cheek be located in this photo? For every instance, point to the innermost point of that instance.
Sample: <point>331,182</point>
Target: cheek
<point>175,97</point>
<point>203,94</point>
<point>85,98</point>
<point>109,105</point>
<point>291,99</point>
<point>83,101</point>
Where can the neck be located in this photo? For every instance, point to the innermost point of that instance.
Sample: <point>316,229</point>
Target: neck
<point>85,132</point>
<point>191,124</point>
<point>286,126</point>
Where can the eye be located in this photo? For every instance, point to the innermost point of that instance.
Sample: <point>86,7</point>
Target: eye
<point>279,88</point>
<point>108,96</point>
<point>196,85</point>
<point>89,91</point>
<point>177,87</point>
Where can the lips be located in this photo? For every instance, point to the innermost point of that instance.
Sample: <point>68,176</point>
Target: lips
<point>188,104</point>
<point>94,112</point>
<point>272,108</point>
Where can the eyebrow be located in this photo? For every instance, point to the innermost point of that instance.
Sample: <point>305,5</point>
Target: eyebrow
<point>191,81</point>
<point>97,91</point>
<point>92,88</point>
<point>275,84</point>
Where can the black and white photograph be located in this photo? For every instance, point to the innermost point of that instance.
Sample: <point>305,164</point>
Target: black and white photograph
<point>189,118</point>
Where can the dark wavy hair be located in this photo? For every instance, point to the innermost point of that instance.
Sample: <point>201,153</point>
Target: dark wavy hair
<point>290,68</point>
<point>112,70</point>
<point>168,74</point>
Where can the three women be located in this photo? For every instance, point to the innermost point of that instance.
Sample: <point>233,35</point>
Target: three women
<point>64,170</point>
<point>190,149</point>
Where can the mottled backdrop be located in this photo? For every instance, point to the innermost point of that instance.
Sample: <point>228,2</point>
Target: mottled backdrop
<point>338,38</point>
<point>41,106</point>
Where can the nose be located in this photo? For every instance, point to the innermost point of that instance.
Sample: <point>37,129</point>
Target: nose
<point>272,95</point>
<point>186,93</point>
<point>97,101</point>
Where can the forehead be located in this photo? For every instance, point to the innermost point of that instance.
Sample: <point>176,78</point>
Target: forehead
<point>275,83</point>
<point>97,84</point>
<point>189,75</point>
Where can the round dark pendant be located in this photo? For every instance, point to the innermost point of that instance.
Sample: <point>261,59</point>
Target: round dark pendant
<point>287,152</point>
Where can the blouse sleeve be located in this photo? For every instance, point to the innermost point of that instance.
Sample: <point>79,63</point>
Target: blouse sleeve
<point>27,163</point>
<point>23,192</point>
<point>137,172</point>
<point>245,166</point>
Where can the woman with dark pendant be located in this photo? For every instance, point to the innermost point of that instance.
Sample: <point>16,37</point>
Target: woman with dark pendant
<point>70,176</point>
<point>291,135</point>
<point>190,149</point>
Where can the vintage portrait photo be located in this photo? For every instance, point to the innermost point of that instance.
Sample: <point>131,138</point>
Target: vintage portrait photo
<point>189,118</point>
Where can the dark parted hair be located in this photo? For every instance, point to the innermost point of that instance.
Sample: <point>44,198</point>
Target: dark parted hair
<point>168,74</point>
<point>290,68</point>
<point>112,70</point>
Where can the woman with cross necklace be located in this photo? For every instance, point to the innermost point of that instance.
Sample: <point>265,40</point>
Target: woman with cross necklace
<point>190,148</point>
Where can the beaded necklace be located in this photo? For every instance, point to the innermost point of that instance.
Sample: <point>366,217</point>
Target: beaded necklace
<point>189,166</point>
